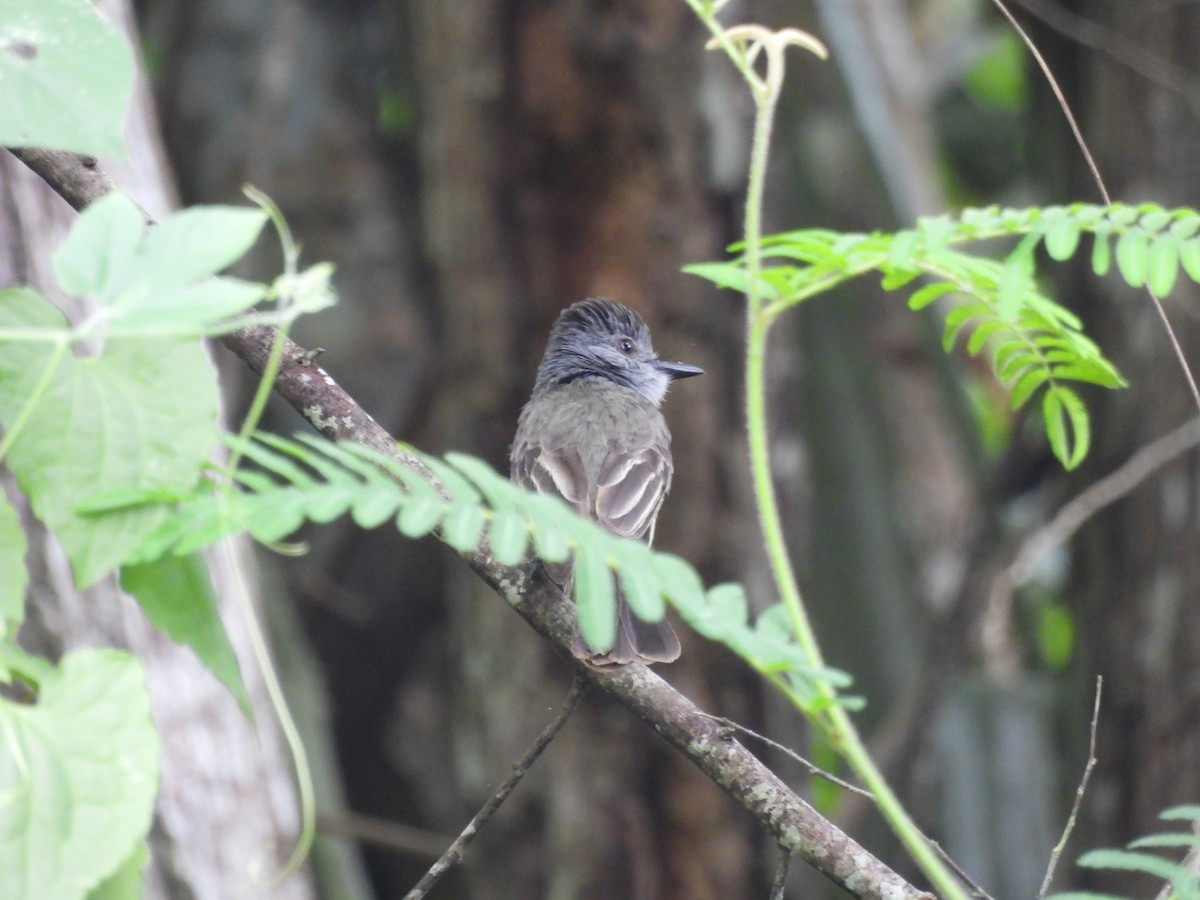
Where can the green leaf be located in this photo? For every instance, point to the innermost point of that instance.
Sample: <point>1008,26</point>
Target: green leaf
<point>366,463</point>
<point>595,597</point>
<point>1061,406</point>
<point>161,280</point>
<point>894,279</point>
<point>178,599</point>
<point>270,522</point>
<point>78,775</point>
<point>928,294</point>
<point>1132,862</point>
<point>1025,386</point>
<point>639,582</point>
<point>901,250</point>
<point>13,574</point>
<point>1062,238</point>
<point>1122,214</point>
<point>936,232</point>
<point>1170,839</point>
<point>23,666</point>
<point>1184,811</point>
<point>420,515</point>
<point>1133,258</point>
<point>681,585</point>
<point>459,488</point>
<point>1089,370</point>
<point>979,337</point>
<point>1012,354</point>
<point>101,246</point>
<point>195,514</point>
<point>141,415</point>
<point>1154,217</point>
<point>330,501</point>
<point>228,514</point>
<point>374,505</point>
<point>1056,425</point>
<point>1189,258</point>
<point>732,276</point>
<point>66,75</point>
<point>194,309</point>
<point>498,491</point>
<point>728,606</point>
<point>127,882</point>
<point>276,463</point>
<point>197,242</point>
<point>126,497</point>
<point>551,538</point>
<point>1015,282</point>
<point>463,526</point>
<point>957,318</point>
<point>1162,265</point>
<point>1185,225</point>
<point>1101,255</point>
<point>508,537</point>
<point>723,274</point>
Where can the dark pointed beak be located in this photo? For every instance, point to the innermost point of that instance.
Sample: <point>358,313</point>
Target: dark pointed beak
<point>678,370</point>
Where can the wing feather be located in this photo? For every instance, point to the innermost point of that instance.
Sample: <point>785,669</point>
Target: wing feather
<point>558,473</point>
<point>630,490</point>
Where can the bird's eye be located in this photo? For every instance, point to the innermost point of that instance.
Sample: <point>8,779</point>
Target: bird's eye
<point>626,345</point>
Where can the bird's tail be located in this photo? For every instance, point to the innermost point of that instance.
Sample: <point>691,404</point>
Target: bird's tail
<point>637,641</point>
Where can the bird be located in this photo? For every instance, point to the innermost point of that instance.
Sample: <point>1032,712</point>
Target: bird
<point>592,434</point>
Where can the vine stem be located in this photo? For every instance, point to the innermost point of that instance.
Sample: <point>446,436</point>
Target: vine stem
<point>259,643</point>
<point>836,722</point>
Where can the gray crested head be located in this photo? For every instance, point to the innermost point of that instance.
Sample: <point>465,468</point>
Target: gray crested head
<point>599,340</point>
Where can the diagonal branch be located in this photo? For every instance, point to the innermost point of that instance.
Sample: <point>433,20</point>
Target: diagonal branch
<point>796,827</point>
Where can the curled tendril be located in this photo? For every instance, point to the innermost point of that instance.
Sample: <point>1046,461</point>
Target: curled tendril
<point>746,42</point>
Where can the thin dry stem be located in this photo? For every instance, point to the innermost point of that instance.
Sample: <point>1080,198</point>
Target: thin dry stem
<point>454,853</point>
<point>813,769</point>
<point>1172,338</point>
<point>1079,791</point>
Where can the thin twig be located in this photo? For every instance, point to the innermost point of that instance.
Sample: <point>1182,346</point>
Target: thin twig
<point>454,852</point>
<point>781,874</point>
<point>813,769</point>
<point>1172,337</point>
<point>817,771</point>
<point>1060,97</point>
<point>1082,508</point>
<point>1087,774</point>
<point>1108,490</point>
<point>382,833</point>
<point>976,889</point>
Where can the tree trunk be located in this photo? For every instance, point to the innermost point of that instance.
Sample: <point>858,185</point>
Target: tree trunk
<point>227,814</point>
